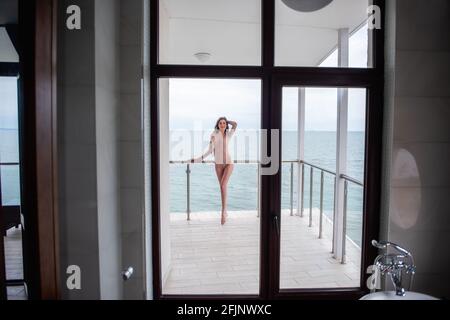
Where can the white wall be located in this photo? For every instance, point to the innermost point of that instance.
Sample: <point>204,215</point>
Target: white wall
<point>132,147</point>
<point>77,154</point>
<point>416,198</point>
<point>147,149</point>
<point>164,186</point>
<point>107,142</point>
<point>101,162</point>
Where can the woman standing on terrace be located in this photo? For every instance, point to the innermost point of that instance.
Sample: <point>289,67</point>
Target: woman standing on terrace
<point>224,165</point>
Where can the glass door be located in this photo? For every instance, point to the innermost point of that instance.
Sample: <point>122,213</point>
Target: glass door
<point>206,120</point>
<point>320,207</point>
<point>12,228</point>
<point>309,97</point>
<point>209,186</point>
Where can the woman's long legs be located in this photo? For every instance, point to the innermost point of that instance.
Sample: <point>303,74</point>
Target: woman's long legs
<point>224,188</point>
<point>219,172</point>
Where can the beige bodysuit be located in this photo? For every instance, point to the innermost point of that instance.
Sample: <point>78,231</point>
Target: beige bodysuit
<point>219,146</point>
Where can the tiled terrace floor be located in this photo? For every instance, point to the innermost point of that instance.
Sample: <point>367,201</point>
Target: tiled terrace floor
<point>14,266</point>
<point>208,258</point>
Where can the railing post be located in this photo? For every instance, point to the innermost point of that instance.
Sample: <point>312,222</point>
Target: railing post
<point>188,195</point>
<point>344,227</point>
<point>292,189</point>
<point>321,205</point>
<point>311,177</point>
<point>334,215</point>
<point>258,190</point>
<point>303,191</point>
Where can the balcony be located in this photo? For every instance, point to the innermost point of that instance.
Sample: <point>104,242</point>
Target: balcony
<point>207,258</point>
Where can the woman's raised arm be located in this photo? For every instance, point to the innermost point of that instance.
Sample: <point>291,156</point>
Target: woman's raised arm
<point>233,124</point>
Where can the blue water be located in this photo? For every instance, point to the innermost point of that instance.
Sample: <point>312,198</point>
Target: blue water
<point>9,152</point>
<point>320,149</point>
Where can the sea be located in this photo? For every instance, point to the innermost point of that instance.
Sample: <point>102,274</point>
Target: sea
<point>10,175</point>
<point>320,150</point>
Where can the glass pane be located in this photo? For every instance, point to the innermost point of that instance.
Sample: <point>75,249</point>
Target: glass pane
<point>9,123</point>
<point>355,162</point>
<point>317,251</point>
<point>212,32</point>
<point>323,33</point>
<point>9,142</point>
<point>203,250</point>
<point>10,179</point>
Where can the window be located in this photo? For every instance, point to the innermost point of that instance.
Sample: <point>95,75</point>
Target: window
<point>336,35</point>
<point>9,142</point>
<point>211,32</point>
<point>321,245</point>
<point>199,255</point>
<point>334,137</point>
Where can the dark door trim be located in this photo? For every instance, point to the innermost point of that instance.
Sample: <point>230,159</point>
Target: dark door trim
<point>37,37</point>
<point>9,69</point>
<point>269,74</point>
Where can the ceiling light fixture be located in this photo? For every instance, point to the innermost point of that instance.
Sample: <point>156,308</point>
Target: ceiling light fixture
<point>307,5</point>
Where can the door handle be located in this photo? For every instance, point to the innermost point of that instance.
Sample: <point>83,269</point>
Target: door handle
<point>126,275</point>
<point>276,223</point>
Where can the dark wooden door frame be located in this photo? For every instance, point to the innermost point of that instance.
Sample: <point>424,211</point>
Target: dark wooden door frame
<point>272,77</point>
<point>37,43</point>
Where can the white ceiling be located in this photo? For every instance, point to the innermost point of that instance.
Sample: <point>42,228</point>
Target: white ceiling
<point>7,51</point>
<point>230,30</point>
<point>223,10</point>
<point>338,14</point>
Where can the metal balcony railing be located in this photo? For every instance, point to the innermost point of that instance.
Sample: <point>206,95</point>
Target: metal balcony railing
<point>302,164</point>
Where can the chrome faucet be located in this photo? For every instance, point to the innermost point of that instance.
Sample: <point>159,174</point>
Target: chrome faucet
<point>394,264</point>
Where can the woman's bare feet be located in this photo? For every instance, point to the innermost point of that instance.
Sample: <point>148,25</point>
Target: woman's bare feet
<point>224,217</point>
